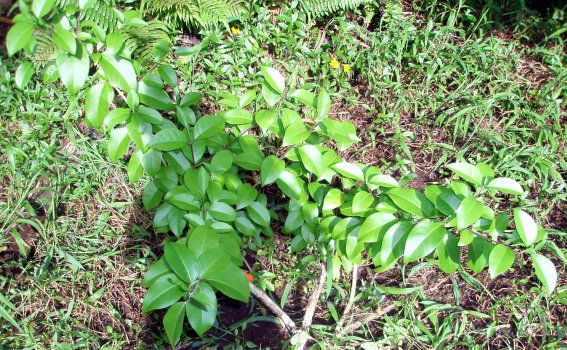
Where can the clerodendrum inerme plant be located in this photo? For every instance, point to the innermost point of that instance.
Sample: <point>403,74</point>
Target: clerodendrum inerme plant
<point>207,173</point>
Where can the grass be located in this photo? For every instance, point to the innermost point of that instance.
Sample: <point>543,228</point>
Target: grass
<point>430,83</point>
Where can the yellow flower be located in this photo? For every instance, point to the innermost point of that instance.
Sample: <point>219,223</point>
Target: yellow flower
<point>334,63</point>
<point>235,31</point>
<point>346,68</point>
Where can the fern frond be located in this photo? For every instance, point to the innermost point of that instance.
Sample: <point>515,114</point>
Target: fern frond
<point>193,13</point>
<point>320,8</point>
<point>141,40</point>
<point>104,14</point>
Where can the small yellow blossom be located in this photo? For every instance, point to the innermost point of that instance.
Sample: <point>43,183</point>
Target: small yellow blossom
<point>346,68</point>
<point>334,63</point>
<point>234,30</point>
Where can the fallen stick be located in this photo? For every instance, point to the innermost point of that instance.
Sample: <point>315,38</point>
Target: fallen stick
<point>288,323</point>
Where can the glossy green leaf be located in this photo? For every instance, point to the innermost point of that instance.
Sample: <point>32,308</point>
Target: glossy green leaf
<point>374,227</point>
<point>423,239</point>
<point>238,116</point>
<point>307,97</point>
<point>443,198</point>
<point>295,134</point>
<point>42,7</point>
<point>64,39</point>
<point>168,74</point>
<point>290,185</point>
<point>333,199</point>
<point>500,260</point>
<point>323,104</point>
<point>134,170</point>
<point>312,159</point>
<point>394,242</point>
<point>467,172</point>
<point>383,181</point>
<point>117,116</point>
<point>478,253</point>
<point>265,119</point>
<point>119,71</point>
<point>201,240</point>
<point>468,212</point>
<point>165,291</point>
<point>349,170</point>
<point>154,97</point>
<point>449,254</point>
<point>545,272</point>
<point>221,162</point>
<point>245,226</point>
<point>149,115</point>
<point>151,162</point>
<point>207,127</point>
<point>272,168</point>
<point>169,140</point>
<point>151,196</point>
<point>412,201</point>
<point>246,194</point>
<point>362,202</point>
<point>259,214</point>
<point>182,261</point>
<point>18,37</point>
<point>232,282</point>
<point>526,226</point>
<point>24,74</point>
<point>173,322</point>
<point>222,212</point>
<point>271,96</point>
<point>118,143</point>
<point>506,185</point>
<point>73,70</point>
<point>97,102</point>
<point>201,310</point>
<point>157,270</point>
<point>274,78</point>
<point>190,99</point>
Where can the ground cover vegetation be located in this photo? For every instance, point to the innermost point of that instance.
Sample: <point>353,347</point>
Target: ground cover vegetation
<point>303,174</point>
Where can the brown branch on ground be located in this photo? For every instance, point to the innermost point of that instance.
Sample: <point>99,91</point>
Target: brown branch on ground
<point>312,304</point>
<point>288,323</point>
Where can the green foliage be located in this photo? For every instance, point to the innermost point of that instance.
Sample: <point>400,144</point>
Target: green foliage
<point>193,13</point>
<point>207,174</point>
<point>320,8</point>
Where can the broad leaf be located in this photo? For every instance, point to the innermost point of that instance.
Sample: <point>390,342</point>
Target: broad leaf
<point>394,242</point>
<point>469,211</point>
<point>467,172</point>
<point>151,195</point>
<point>238,116</point>
<point>64,40</point>
<point>231,281</point>
<point>118,143</point>
<point>18,37</point>
<point>165,291</point>
<point>412,201</point>
<point>290,185</point>
<point>221,162</point>
<point>201,311</point>
<point>361,202</point>
<point>24,74</point>
<point>173,322</point>
<point>274,78</point>
<point>169,140</point>
<point>500,260</point>
<point>295,134</point>
<point>323,104</point>
<point>423,239</point>
<point>154,97</point>
<point>312,159</point>
<point>259,214</point>
<point>222,212</point>
<point>182,261</point>
<point>545,272</point>
<point>207,127</point>
<point>272,168</point>
<point>73,70</point>
<point>526,226</point>
<point>349,170</point>
<point>307,97</point>
<point>374,227</point>
<point>506,185</point>
<point>42,7</point>
<point>97,102</point>
<point>119,71</point>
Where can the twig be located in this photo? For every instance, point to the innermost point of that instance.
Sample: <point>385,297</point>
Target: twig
<point>288,323</point>
<point>356,325</point>
<point>6,20</point>
<point>350,298</point>
<point>312,304</point>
